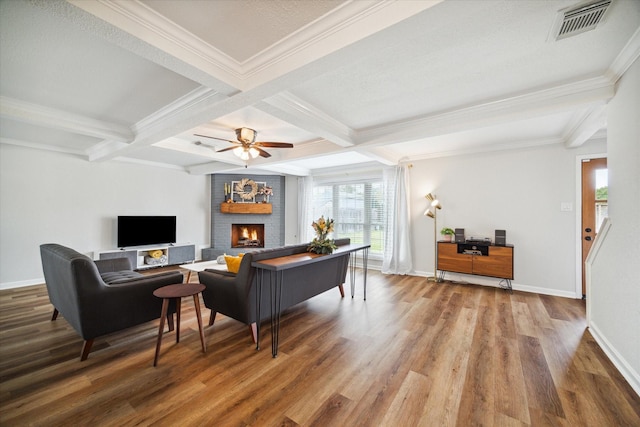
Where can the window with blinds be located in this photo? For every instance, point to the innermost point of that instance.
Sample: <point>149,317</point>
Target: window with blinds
<point>357,208</point>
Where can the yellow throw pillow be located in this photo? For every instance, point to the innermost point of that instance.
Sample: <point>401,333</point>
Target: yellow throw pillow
<point>233,262</point>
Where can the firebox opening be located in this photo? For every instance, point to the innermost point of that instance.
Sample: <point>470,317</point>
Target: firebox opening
<point>247,235</point>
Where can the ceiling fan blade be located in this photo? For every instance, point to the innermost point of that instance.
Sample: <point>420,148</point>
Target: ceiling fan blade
<point>226,149</point>
<point>203,144</point>
<point>273,144</point>
<point>262,152</point>
<point>219,139</point>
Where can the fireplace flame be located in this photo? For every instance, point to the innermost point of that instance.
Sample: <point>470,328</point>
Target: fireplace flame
<point>244,232</point>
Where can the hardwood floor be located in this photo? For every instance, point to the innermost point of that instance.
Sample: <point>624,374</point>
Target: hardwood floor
<point>415,353</point>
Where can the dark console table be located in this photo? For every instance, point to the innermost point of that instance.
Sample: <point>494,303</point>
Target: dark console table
<point>477,259</point>
<point>277,268</point>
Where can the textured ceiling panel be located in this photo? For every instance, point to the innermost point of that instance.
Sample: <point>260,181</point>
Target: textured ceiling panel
<point>242,28</point>
<point>50,61</point>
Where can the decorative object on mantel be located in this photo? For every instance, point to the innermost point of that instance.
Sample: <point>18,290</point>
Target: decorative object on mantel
<point>246,197</point>
<point>246,190</point>
<point>321,244</point>
<point>431,212</point>
<point>447,234</point>
<point>267,191</point>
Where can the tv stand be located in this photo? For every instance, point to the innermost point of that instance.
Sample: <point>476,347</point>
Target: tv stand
<point>173,255</point>
<point>481,260</point>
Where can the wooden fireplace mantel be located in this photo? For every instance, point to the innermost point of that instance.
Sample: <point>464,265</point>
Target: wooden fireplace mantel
<point>246,208</point>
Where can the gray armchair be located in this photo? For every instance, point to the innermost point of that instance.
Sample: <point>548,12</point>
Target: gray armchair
<point>100,297</point>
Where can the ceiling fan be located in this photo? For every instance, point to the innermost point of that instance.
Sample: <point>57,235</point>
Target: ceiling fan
<point>246,146</point>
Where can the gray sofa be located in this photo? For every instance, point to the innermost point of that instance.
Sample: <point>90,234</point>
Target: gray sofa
<point>234,295</point>
<point>100,297</point>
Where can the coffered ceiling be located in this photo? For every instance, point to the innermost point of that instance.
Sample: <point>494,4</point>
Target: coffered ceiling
<point>348,83</point>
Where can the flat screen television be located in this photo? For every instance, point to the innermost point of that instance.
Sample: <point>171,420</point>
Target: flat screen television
<point>146,230</point>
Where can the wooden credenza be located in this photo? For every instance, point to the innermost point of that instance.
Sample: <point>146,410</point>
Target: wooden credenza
<point>497,262</point>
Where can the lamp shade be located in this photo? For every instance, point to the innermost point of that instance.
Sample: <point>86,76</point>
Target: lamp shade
<point>433,201</point>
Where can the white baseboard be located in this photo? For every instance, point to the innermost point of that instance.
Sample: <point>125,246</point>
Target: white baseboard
<point>488,281</point>
<point>618,361</point>
<point>21,284</point>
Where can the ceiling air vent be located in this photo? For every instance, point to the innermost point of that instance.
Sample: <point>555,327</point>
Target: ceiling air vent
<point>585,17</point>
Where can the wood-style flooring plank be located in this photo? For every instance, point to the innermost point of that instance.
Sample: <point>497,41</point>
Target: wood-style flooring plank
<point>415,353</point>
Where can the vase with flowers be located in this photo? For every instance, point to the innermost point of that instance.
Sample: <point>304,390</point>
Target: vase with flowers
<point>321,244</point>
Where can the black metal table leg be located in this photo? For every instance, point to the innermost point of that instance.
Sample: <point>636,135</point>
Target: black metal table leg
<point>259,280</point>
<point>276,304</point>
<point>365,261</point>
<point>352,272</point>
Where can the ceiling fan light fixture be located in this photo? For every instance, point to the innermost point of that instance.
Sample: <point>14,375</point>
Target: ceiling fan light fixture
<point>246,135</point>
<point>238,151</point>
<point>253,152</point>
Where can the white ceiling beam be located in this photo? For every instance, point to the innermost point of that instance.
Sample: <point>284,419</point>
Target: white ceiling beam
<point>381,155</point>
<point>51,118</point>
<point>514,145</point>
<point>517,107</point>
<point>107,149</point>
<point>288,107</point>
<point>180,115</point>
<point>586,126</point>
<point>39,146</point>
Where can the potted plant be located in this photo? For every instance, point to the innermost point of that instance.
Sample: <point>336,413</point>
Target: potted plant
<point>447,234</point>
<point>321,244</point>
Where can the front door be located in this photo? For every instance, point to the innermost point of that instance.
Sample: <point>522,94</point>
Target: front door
<point>594,204</point>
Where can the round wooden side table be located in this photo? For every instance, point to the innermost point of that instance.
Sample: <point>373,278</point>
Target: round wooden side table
<point>177,292</point>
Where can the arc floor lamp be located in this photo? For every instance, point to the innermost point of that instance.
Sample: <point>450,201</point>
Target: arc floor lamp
<point>432,212</point>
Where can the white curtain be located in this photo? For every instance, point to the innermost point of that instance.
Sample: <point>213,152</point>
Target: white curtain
<point>305,194</point>
<point>397,240</point>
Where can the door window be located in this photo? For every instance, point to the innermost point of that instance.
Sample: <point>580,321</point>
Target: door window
<point>602,197</point>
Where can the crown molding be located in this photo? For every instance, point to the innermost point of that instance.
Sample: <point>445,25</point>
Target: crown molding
<point>52,118</point>
<point>627,56</point>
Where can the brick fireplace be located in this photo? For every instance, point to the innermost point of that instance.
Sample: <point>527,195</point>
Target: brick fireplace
<point>222,240</point>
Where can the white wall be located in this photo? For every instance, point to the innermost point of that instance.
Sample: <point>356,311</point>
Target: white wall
<point>48,197</point>
<point>615,280</point>
<point>291,210</point>
<point>518,191</point>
